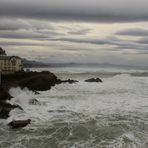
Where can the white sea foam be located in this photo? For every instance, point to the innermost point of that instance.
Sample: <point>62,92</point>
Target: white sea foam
<point>117,93</point>
<point>120,93</point>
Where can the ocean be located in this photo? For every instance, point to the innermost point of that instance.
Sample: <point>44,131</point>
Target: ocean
<point>112,114</point>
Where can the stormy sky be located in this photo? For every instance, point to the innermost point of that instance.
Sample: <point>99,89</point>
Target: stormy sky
<point>90,31</point>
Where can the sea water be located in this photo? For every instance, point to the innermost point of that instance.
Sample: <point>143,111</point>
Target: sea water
<point>112,114</point>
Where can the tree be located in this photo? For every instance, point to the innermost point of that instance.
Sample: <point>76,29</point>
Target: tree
<point>2,52</point>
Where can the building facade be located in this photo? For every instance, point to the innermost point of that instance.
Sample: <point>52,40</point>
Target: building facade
<point>10,64</point>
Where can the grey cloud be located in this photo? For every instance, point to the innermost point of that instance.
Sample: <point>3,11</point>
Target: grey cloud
<point>120,44</point>
<point>137,52</point>
<point>134,46</point>
<point>117,44</point>
<point>142,53</point>
<point>133,32</point>
<point>9,24</point>
<point>143,40</point>
<point>42,35</point>
<point>13,25</point>
<point>83,31</point>
<point>23,35</point>
<point>90,10</point>
<point>14,43</point>
<point>86,40</point>
<point>23,29</point>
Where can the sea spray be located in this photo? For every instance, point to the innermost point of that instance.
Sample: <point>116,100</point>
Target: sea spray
<point>36,112</point>
<point>21,96</point>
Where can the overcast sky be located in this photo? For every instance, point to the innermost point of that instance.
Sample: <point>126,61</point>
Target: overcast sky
<point>92,31</point>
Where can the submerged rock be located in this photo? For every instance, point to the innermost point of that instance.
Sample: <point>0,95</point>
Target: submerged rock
<point>36,93</point>
<point>94,80</point>
<point>34,102</point>
<point>19,123</point>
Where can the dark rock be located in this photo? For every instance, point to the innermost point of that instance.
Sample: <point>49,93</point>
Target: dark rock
<point>70,81</point>
<point>36,93</point>
<point>39,81</point>
<point>34,102</point>
<point>4,95</point>
<point>5,109</point>
<point>67,81</point>
<point>94,80</point>
<point>35,81</point>
<point>19,123</point>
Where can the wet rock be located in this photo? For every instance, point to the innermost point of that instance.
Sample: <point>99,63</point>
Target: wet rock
<point>94,80</point>
<point>36,93</point>
<point>39,81</point>
<point>34,102</point>
<point>19,123</point>
<point>70,81</point>
<point>35,81</point>
<point>5,109</point>
<point>4,95</point>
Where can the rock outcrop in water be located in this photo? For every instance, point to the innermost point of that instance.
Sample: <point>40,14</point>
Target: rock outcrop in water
<point>94,80</point>
<point>32,80</point>
<point>19,123</point>
<point>5,109</point>
<point>4,95</point>
<point>70,81</point>
<point>35,81</point>
<point>34,102</point>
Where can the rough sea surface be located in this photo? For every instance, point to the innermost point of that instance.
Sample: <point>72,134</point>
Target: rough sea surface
<point>112,114</point>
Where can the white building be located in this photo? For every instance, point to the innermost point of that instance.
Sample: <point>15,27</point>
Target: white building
<point>10,64</point>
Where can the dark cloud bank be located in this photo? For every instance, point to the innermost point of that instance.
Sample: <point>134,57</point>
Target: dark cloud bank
<point>84,10</point>
<point>133,32</point>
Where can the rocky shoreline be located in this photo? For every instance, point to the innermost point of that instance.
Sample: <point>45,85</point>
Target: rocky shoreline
<point>34,81</point>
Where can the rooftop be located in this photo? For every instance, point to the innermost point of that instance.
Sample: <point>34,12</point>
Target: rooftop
<point>8,57</point>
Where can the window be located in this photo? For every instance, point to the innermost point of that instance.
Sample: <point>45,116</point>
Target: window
<point>13,61</point>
